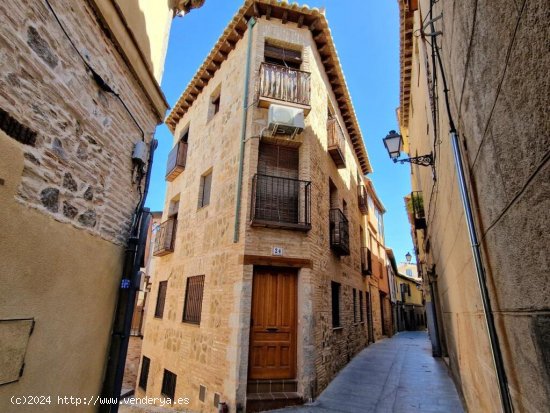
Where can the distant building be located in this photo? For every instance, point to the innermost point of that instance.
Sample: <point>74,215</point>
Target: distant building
<point>410,303</point>
<point>409,269</point>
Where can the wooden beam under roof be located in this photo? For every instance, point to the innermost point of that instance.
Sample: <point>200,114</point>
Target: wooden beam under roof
<point>268,12</point>
<point>284,19</point>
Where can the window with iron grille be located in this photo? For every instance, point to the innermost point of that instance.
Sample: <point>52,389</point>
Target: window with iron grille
<point>204,193</point>
<point>335,290</point>
<point>169,384</point>
<point>193,299</point>
<point>161,298</point>
<point>354,305</point>
<point>361,317</point>
<point>144,374</point>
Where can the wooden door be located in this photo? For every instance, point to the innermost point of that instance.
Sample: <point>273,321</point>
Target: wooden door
<point>273,324</point>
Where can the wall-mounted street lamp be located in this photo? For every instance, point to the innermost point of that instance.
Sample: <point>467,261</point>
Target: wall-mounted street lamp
<point>394,142</point>
<point>408,257</point>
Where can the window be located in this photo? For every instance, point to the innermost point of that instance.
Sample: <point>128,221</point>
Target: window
<point>354,305</point>
<point>335,288</point>
<point>409,272</point>
<point>361,315</point>
<point>161,298</point>
<point>202,393</point>
<point>282,56</point>
<point>204,194</point>
<point>168,384</point>
<point>409,290</point>
<point>144,375</point>
<point>193,299</point>
<point>215,100</point>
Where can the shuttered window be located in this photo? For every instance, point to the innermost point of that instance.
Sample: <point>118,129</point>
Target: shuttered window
<point>278,161</point>
<point>144,375</point>
<point>161,298</point>
<point>354,305</point>
<point>335,291</point>
<point>193,299</point>
<point>361,317</point>
<point>206,185</point>
<point>282,56</point>
<point>169,384</point>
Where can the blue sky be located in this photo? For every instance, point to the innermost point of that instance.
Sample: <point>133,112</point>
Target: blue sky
<point>366,33</point>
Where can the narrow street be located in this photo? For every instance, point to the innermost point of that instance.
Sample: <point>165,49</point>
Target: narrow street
<point>393,375</point>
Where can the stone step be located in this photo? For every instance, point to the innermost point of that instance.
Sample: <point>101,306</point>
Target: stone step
<point>260,402</point>
<point>272,386</point>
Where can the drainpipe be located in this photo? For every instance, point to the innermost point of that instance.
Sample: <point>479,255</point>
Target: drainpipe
<point>251,23</point>
<point>120,335</point>
<point>482,280</point>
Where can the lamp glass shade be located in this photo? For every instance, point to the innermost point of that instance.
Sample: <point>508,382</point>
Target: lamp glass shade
<point>408,257</point>
<point>393,143</point>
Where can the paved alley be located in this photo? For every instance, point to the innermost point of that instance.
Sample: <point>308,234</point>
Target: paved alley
<point>393,375</point>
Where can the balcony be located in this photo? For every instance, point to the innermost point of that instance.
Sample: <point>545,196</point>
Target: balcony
<point>362,199</point>
<point>336,143</point>
<point>176,161</point>
<point>339,232</point>
<point>165,238</point>
<point>417,204</point>
<point>281,203</point>
<point>366,261</point>
<point>282,84</point>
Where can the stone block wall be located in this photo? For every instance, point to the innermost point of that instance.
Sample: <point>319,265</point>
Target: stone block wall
<point>495,58</point>
<point>68,193</point>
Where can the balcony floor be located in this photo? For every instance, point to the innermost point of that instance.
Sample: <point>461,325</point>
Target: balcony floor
<point>280,225</point>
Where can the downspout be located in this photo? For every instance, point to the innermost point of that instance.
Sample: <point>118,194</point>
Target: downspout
<point>128,287</point>
<point>498,360</point>
<point>251,23</point>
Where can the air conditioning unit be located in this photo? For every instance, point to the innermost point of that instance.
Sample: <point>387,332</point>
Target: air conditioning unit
<point>285,120</point>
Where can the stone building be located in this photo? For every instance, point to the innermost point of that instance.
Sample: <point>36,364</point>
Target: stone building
<point>79,87</point>
<point>410,303</point>
<point>493,60</point>
<point>261,275</point>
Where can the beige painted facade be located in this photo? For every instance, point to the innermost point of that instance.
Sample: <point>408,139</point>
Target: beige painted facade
<point>495,60</point>
<point>215,353</point>
<point>67,190</point>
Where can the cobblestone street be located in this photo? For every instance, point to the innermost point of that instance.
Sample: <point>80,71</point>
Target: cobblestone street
<point>393,375</point>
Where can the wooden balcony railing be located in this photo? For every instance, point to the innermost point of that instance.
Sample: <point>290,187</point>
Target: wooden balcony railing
<point>165,237</point>
<point>339,232</point>
<point>417,202</point>
<point>281,203</point>
<point>284,84</point>
<point>362,199</point>
<point>176,161</point>
<point>366,261</point>
<point>336,143</point>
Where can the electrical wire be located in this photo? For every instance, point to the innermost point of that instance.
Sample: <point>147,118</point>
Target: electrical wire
<point>96,76</point>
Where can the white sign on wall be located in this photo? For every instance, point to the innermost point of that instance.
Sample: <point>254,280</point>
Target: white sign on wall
<point>277,251</point>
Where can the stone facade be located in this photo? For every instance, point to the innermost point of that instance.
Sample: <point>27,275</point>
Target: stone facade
<point>495,60</point>
<point>68,184</point>
<point>215,354</point>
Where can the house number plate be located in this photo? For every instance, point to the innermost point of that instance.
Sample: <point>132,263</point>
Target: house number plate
<point>277,251</point>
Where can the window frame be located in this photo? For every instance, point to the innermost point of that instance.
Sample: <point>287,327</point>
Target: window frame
<point>202,201</point>
<point>165,383</point>
<point>144,372</point>
<point>187,307</point>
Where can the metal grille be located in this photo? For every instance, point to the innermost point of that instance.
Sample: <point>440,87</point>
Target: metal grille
<point>193,299</point>
<point>281,202</point>
<point>362,199</point>
<point>169,384</point>
<point>283,83</point>
<point>336,142</point>
<point>161,298</point>
<point>366,261</point>
<point>165,237</point>
<point>417,202</point>
<point>144,375</point>
<point>339,232</point>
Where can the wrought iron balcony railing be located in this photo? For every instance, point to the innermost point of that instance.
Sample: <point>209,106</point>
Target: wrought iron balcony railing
<point>176,161</point>
<point>284,84</point>
<point>339,232</point>
<point>165,237</point>
<point>362,199</point>
<point>417,202</point>
<point>366,261</point>
<point>336,143</point>
<point>281,202</point>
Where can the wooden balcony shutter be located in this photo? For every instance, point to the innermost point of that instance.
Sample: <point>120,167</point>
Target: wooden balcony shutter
<point>193,299</point>
<point>278,160</point>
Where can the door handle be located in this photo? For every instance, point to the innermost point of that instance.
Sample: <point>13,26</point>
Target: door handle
<point>271,329</point>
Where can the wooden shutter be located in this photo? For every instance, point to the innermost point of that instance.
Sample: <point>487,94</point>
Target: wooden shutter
<point>278,160</point>
<point>161,298</point>
<point>193,299</point>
